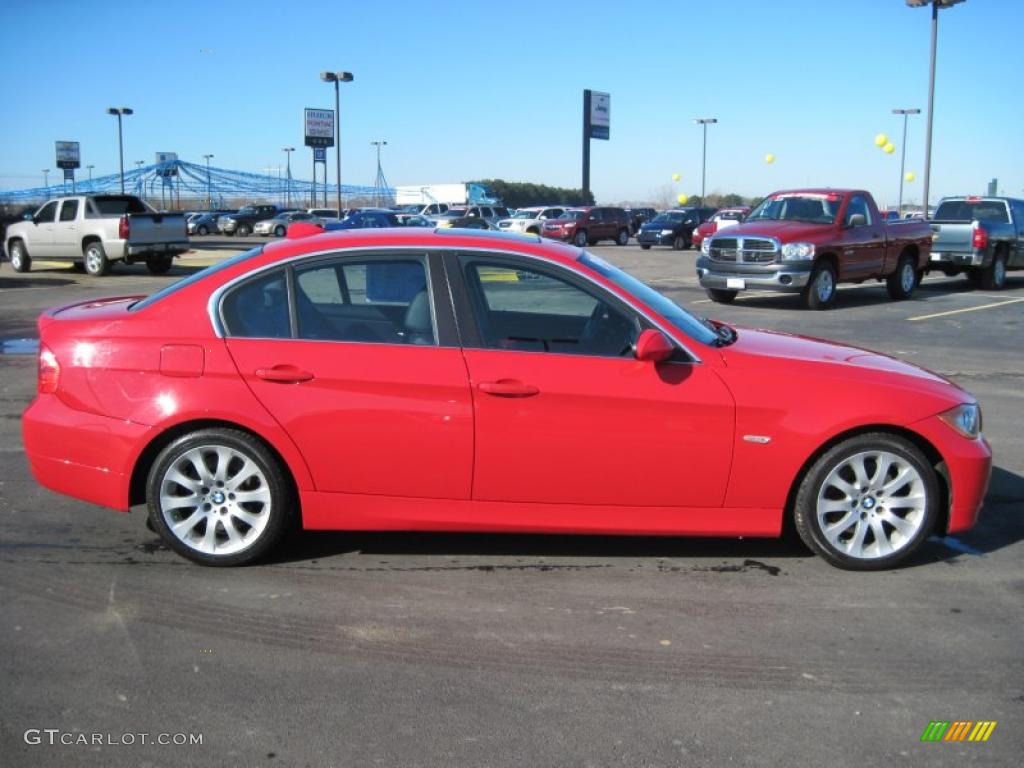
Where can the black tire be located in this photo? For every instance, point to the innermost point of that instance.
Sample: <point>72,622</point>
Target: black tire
<point>18,254</point>
<point>623,237</point>
<point>903,280</point>
<point>645,247</point>
<point>279,231</point>
<point>678,243</point>
<point>202,230</point>
<point>580,240</point>
<point>821,501</point>
<point>993,277</point>
<point>820,292</point>
<point>266,515</point>
<point>244,230</point>
<point>533,231</point>
<point>78,266</point>
<point>950,271</point>
<point>159,264</point>
<point>96,262</point>
<point>720,295</point>
<point>228,233</point>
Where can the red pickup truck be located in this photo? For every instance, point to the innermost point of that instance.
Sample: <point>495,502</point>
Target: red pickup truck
<point>808,241</point>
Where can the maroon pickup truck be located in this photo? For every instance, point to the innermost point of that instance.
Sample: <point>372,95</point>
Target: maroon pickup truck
<point>809,240</point>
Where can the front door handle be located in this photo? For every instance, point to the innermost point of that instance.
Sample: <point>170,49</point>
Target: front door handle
<point>508,388</point>
<point>283,374</point>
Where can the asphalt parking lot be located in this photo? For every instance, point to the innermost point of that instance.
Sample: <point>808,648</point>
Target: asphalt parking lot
<point>479,650</point>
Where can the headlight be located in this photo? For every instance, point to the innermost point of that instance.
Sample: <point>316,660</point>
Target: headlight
<point>965,419</point>
<point>666,231</point>
<point>798,251</point>
<point>705,246</point>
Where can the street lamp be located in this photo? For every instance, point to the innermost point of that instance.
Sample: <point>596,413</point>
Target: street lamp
<point>936,5</point>
<point>209,194</point>
<point>90,167</point>
<point>704,121</point>
<point>288,175</point>
<point>903,152</point>
<point>337,77</point>
<point>46,181</point>
<point>119,111</point>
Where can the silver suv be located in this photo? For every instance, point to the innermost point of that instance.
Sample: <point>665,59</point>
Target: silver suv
<point>529,219</point>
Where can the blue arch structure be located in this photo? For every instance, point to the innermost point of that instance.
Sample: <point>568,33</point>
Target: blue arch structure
<point>176,180</point>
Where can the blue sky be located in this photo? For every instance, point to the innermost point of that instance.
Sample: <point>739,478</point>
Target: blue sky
<point>462,90</point>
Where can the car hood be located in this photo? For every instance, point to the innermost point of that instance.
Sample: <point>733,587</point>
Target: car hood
<point>786,231</point>
<point>797,361</point>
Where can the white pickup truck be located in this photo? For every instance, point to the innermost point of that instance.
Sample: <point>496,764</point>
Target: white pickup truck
<point>95,230</point>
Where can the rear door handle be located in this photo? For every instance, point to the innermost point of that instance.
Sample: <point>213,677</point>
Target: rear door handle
<point>283,374</point>
<point>508,388</point>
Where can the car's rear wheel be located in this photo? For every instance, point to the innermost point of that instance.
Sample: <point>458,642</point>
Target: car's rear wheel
<point>581,239</point>
<point>279,231</point>
<point>244,230</point>
<point>901,283</point>
<point>159,264</point>
<point>721,296</point>
<point>20,260</point>
<point>993,277</point>
<point>867,503</point>
<point>96,262</point>
<point>820,292</point>
<point>645,247</point>
<point>218,497</point>
<point>678,243</point>
<point>202,230</point>
<point>623,237</point>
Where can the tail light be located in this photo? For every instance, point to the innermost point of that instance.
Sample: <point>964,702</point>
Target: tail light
<point>714,227</point>
<point>123,228</point>
<point>980,240</point>
<point>49,371</point>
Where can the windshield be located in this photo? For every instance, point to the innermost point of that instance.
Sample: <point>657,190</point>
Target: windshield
<point>247,210</point>
<point>663,305</point>
<point>803,206</point>
<point>195,278</point>
<point>526,214</point>
<point>670,217</point>
<point>572,215</point>
<point>972,210</point>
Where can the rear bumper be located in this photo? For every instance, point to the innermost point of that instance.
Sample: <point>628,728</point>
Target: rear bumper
<point>968,466</point>
<point>771,277</point>
<point>958,259</point>
<point>147,249</point>
<point>81,454</point>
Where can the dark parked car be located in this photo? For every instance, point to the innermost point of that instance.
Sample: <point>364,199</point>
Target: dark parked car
<point>242,222</point>
<point>586,226</point>
<point>464,222</point>
<point>637,217</point>
<point>674,228</point>
<point>365,220</point>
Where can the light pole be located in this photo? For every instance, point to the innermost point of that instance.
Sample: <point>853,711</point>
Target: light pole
<point>903,151</point>
<point>46,181</point>
<point>120,111</point>
<point>209,194</point>
<point>336,78</point>
<point>379,182</point>
<point>90,167</point>
<point>936,5</point>
<point>288,175</point>
<point>704,122</point>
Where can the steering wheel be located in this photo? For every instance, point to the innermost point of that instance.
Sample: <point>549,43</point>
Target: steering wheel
<point>604,329</point>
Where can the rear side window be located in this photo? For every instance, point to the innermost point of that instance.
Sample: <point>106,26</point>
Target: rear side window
<point>117,205</point>
<point>69,210</point>
<point>258,308</point>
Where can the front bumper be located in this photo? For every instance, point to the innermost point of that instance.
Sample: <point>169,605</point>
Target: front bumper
<point>737,277</point>
<point>559,234</point>
<point>654,238</point>
<point>79,454</point>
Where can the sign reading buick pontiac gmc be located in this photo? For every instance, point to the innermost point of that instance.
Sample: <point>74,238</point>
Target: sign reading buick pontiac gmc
<point>319,127</point>
<point>600,115</point>
<point>67,154</point>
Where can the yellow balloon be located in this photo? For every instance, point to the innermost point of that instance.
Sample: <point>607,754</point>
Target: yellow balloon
<point>769,158</point>
<point>910,176</point>
<point>676,177</point>
<point>889,148</point>
<point>682,199</point>
<point>881,140</point>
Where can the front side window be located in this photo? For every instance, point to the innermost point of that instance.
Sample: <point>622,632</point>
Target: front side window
<point>524,309</point>
<point>857,205</point>
<point>370,301</point>
<point>47,213</point>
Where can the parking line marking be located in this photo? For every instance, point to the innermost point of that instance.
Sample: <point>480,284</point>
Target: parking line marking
<point>967,309</point>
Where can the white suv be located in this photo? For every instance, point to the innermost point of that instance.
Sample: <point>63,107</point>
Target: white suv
<point>529,219</point>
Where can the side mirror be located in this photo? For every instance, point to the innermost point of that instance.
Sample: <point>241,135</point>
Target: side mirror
<point>653,347</point>
<point>29,217</point>
<point>857,220</point>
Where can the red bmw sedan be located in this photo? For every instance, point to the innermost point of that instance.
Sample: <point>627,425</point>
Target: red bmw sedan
<point>474,381</point>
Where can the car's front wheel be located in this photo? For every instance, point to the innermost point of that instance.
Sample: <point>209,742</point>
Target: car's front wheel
<point>867,503</point>
<point>218,497</point>
<point>820,291</point>
<point>623,237</point>
<point>244,230</point>
<point>721,296</point>
<point>279,231</point>
<point>203,230</point>
<point>20,260</point>
<point>581,239</point>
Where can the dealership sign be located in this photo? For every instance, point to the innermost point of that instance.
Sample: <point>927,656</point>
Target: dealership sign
<point>319,127</point>
<point>68,155</point>
<point>600,115</point>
